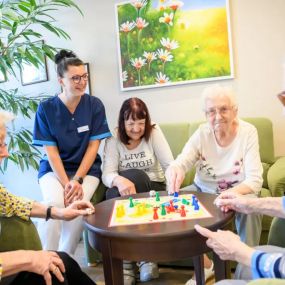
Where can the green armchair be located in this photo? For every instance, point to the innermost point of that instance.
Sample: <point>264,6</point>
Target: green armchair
<point>18,234</point>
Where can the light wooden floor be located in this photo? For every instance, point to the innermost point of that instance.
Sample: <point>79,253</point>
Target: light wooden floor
<point>168,275</point>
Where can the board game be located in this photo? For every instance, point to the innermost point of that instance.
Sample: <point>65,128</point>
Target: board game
<point>157,209</point>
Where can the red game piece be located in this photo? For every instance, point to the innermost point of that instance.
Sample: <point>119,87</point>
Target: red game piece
<point>155,215</point>
<point>182,212</point>
<point>171,207</point>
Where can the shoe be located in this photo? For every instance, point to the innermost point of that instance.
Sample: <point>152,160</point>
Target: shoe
<point>208,272</point>
<point>129,277</point>
<point>129,272</point>
<point>148,271</point>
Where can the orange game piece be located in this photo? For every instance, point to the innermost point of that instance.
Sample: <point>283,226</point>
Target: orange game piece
<point>182,211</point>
<point>155,215</point>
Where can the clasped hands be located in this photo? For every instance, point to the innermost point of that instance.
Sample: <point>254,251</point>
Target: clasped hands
<point>73,191</point>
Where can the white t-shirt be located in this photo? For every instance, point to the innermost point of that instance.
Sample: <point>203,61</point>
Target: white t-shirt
<point>153,157</point>
<point>220,168</point>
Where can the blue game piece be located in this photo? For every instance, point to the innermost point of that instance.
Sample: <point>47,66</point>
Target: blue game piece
<point>196,207</point>
<point>176,194</point>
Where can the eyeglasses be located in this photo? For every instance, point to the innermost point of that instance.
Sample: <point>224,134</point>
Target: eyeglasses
<point>77,78</point>
<point>211,112</point>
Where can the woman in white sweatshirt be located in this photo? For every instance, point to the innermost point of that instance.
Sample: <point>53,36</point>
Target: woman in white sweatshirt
<point>135,160</point>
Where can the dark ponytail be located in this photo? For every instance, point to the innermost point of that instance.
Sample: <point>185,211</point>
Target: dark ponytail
<point>64,59</point>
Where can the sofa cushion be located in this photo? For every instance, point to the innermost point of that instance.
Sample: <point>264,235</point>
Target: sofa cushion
<point>18,234</point>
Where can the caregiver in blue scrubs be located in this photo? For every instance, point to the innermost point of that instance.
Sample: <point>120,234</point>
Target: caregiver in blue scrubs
<point>70,127</point>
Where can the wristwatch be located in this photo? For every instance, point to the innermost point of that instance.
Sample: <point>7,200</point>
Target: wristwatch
<point>78,179</point>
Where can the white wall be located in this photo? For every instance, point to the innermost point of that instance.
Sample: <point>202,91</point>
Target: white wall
<point>259,61</point>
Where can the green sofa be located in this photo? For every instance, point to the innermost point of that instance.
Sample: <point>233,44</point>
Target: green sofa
<point>177,134</point>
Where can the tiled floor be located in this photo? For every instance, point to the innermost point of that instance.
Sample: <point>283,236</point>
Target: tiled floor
<point>168,275</point>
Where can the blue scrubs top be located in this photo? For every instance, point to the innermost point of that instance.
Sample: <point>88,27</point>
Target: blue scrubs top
<point>71,133</point>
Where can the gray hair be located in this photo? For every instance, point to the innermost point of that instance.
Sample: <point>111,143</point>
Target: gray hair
<point>5,118</point>
<point>218,91</point>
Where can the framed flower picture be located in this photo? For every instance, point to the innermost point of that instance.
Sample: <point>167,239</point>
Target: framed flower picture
<point>162,43</point>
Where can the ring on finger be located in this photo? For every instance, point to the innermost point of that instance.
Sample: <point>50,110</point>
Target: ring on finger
<point>55,270</point>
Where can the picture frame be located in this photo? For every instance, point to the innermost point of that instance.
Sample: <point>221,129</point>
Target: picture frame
<point>30,74</point>
<point>164,43</point>
<point>88,87</point>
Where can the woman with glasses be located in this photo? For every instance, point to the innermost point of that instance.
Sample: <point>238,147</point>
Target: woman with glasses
<point>225,154</point>
<point>70,127</point>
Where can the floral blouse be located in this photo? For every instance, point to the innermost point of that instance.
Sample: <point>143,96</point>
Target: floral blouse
<point>11,205</point>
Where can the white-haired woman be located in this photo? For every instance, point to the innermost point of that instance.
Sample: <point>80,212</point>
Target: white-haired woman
<point>225,153</point>
<point>30,267</point>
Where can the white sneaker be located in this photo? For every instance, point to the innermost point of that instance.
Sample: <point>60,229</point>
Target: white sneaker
<point>209,272</point>
<point>148,271</point>
<point>129,277</point>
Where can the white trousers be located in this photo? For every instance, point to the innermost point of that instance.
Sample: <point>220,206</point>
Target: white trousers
<point>62,235</point>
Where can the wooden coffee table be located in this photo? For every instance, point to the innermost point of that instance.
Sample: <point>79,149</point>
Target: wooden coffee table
<point>166,241</point>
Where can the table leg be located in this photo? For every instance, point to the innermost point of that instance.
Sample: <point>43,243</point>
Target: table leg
<point>113,267</point>
<point>222,268</point>
<point>199,269</point>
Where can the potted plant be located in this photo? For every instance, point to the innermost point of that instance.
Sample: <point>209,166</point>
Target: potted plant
<point>21,43</point>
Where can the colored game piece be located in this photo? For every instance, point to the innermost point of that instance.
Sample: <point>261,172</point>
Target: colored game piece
<point>193,200</point>
<point>185,202</point>
<point>182,211</point>
<point>120,211</point>
<point>131,202</point>
<point>196,206</point>
<point>157,199</point>
<point>175,194</point>
<point>163,211</point>
<point>171,207</point>
<point>155,215</point>
<point>152,193</point>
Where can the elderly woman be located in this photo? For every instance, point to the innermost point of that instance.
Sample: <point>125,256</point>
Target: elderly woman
<point>225,153</point>
<point>29,267</point>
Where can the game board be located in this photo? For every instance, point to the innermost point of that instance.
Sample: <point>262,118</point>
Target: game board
<point>156,210</point>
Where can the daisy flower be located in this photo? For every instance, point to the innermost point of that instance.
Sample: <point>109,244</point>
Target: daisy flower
<point>150,56</point>
<point>139,4</point>
<point>138,63</point>
<point>141,23</point>
<point>174,5</point>
<point>127,26</point>
<point>164,55</point>
<point>125,76</point>
<point>167,19</point>
<point>168,44</point>
<point>161,78</point>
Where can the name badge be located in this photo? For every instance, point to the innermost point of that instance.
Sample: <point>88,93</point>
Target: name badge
<point>83,129</point>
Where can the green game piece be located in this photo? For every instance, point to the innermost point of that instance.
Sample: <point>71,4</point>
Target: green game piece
<point>185,202</point>
<point>131,202</point>
<point>163,212</point>
<point>157,199</point>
